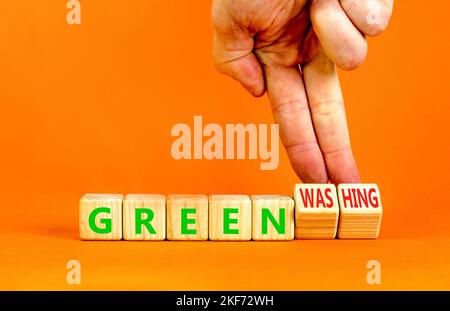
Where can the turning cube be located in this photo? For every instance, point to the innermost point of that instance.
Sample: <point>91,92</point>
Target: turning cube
<point>187,217</point>
<point>360,211</point>
<point>316,211</point>
<point>101,217</point>
<point>272,217</point>
<point>230,218</point>
<point>144,217</point>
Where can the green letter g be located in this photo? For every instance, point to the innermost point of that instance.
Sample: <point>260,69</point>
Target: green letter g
<point>105,221</point>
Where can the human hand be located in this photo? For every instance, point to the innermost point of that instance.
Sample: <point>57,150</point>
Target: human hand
<point>289,48</point>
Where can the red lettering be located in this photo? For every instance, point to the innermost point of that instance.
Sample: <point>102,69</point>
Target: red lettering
<point>320,201</point>
<point>329,203</point>
<point>354,198</point>
<point>347,198</point>
<point>373,198</point>
<point>362,197</point>
<point>308,199</point>
<point>317,198</point>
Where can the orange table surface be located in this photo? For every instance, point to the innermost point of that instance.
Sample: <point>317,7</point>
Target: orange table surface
<point>37,262</point>
<point>35,249</point>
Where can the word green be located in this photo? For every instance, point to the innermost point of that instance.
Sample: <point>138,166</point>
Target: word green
<point>144,217</point>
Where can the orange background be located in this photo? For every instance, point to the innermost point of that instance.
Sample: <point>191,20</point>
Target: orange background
<point>89,108</point>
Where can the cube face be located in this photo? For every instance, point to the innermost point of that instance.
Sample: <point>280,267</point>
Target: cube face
<point>144,217</point>
<point>101,217</point>
<point>272,217</point>
<point>230,218</point>
<point>360,211</point>
<point>187,217</point>
<point>316,211</point>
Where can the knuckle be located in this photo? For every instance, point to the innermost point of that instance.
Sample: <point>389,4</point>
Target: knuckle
<point>299,147</point>
<point>327,108</point>
<point>376,26</point>
<point>286,109</point>
<point>377,18</point>
<point>353,58</point>
<point>373,30</point>
<point>338,151</point>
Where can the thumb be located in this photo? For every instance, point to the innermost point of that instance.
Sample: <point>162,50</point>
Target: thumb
<point>233,52</point>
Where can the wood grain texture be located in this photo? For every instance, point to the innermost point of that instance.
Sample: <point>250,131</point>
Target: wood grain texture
<point>238,208</point>
<point>178,202</point>
<point>91,202</point>
<point>360,211</point>
<point>277,205</point>
<point>151,204</point>
<point>316,211</point>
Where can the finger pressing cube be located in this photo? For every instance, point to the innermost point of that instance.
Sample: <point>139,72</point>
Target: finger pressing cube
<point>316,211</point>
<point>360,211</point>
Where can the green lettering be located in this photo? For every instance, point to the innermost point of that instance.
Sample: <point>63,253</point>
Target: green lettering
<point>279,226</point>
<point>144,221</point>
<point>185,221</point>
<point>107,228</point>
<point>227,221</point>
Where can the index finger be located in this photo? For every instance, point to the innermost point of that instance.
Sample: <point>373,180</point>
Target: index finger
<point>287,96</point>
<point>329,120</point>
<point>233,51</point>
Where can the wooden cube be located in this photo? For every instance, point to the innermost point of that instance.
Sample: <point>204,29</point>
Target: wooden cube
<point>230,218</point>
<point>101,217</point>
<point>272,217</point>
<point>360,211</point>
<point>144,217</point>
<point>316,211</point>
<point>187,217</point>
